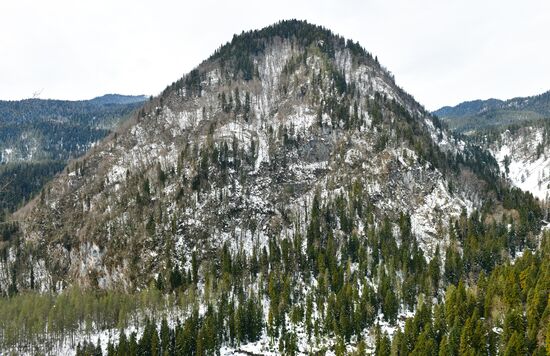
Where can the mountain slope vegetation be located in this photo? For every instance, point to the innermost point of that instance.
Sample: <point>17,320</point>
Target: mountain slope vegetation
<point>38,137</point>
<point>284,197</point>
<point>479,114</point>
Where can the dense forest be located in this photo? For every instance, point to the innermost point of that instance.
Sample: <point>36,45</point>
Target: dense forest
<point>35,129</point>
<point>20,181</point>
<point>494,134</point>
<point>38,137</point>
<point>477,115</point>
<point>82,111</point>
<point>480,300</point>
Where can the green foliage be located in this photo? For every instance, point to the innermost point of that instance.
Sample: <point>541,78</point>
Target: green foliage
<point>512,298</point>
<point>19,182</point>
<point>493,114</point>
<point>46,319</point>
<point>236,58</point>
<point>355,267</point>
<point>44,134</point>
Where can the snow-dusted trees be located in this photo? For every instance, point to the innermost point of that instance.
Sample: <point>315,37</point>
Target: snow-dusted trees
<point>330,279</point>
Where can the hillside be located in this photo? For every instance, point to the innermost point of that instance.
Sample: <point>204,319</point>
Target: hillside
<point>514,131</point>
<point>37,129</point>
<point>38,137</point>
<point>236,151</point>
<point>479,114</point>
<point>284,197</point>
<point>522,152</point>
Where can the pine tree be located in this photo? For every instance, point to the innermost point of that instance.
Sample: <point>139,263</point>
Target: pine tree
<point>122,348</point>
<point>164,336</point>
<point>467,345</point>
<point>237,101</point>
<point>246,108</point>
<point>425,344</point>
<point>434,270</point>
<point>515,346</point>
<point>382,345</point>
<point>155,343</point>
<point>132,345</point>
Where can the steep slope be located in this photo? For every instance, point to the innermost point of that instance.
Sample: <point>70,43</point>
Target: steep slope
<point>522,153</point>
<point>478,114</point>
<point>235,152</point>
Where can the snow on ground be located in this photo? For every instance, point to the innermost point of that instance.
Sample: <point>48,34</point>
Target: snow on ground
<point>263,151</point>
<point>264,346</point>
<point>302,119</point>
<point>525,170</point>
<point>425,223</point>
<point>116,174</point>
<point>106,336</point>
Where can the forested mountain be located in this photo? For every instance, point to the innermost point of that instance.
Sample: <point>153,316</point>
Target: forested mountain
<point>38,137</point>
<point>515,131</point>
<point>479,114</point>
<point>36,129</point>
<point>284,197</point>
<point>20,181</point>
<point>109,99</point>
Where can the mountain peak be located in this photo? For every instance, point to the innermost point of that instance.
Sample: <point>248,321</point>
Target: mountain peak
<point>240,147</point>
<point>239,52</point>
<point>285,197</point>
<point>118,99</point>
<point>287,43</point>
<point>254,40</point>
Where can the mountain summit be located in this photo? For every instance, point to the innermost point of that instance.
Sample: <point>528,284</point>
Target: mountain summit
<point>276,124</point>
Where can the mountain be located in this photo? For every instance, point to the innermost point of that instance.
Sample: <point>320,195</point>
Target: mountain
<point>467,108</point>
<point>38,137</point>
<point>236,151</point>
<point>284,197</point>
<point>36,129</point>
<point>471,115</point>
<point>514,131</point>
<point>119,99</point>
<point>521,150</point>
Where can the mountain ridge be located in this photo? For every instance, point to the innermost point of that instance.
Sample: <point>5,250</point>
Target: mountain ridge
<point>38,137</point>
<point>478,114</point>
<point>514,131</point>
<point>119,99</point>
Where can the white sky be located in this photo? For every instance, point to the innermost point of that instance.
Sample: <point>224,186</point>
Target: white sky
<point>441,51</point>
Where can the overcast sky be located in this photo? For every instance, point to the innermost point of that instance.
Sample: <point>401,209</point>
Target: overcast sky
<point>441,51</point>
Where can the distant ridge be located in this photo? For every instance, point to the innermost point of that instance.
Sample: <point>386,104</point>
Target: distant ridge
<point>39,136</point>
<point>118,99</point>
<point>478,114</point>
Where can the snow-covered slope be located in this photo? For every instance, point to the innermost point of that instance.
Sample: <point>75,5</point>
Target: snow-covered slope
<point>524,158</point>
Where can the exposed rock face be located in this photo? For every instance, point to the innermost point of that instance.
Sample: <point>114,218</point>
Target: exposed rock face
<point>234,154</point>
